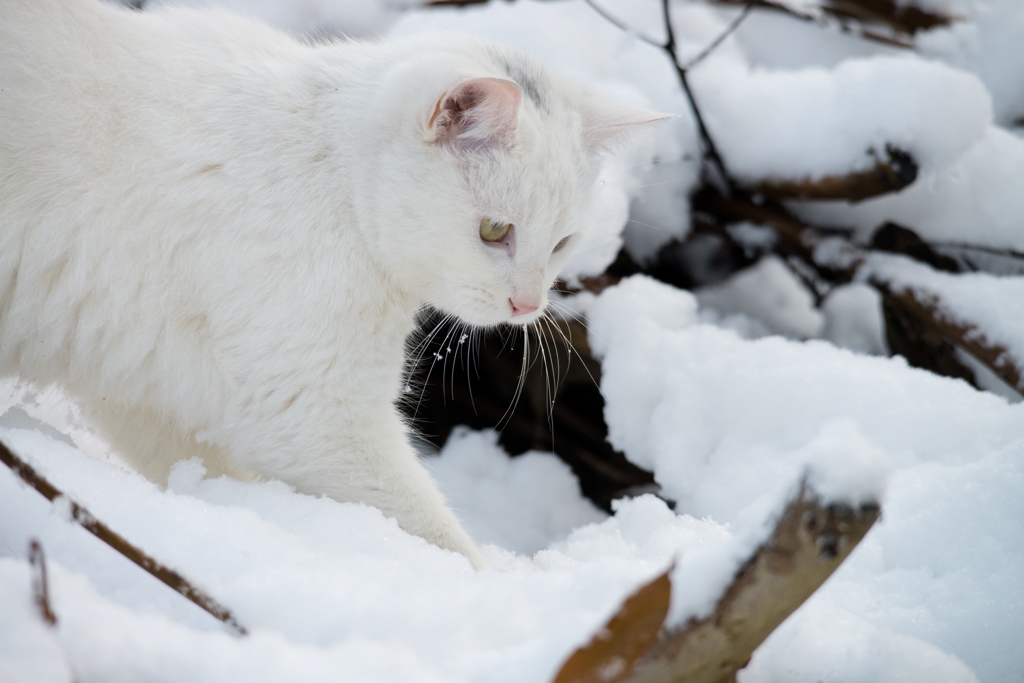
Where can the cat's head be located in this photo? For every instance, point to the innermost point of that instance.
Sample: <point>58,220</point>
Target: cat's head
<point>487,178</point>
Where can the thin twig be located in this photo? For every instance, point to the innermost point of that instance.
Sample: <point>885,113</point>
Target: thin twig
<point>84,518</point>
<point>730,29</point>
<point>994,251</point>
<point>710,150</point>
<point>40,586</point>
<point>624,26</point>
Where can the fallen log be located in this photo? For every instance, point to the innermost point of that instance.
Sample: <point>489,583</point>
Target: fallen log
<point>809,542</point>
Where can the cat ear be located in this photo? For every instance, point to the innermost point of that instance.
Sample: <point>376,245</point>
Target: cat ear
<point>476,114</point>
<point>608,123</point>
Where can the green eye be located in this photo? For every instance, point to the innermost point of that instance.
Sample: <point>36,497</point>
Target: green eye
<point>493,231</point>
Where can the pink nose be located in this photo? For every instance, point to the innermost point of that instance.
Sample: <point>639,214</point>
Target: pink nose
<point>521,308</point>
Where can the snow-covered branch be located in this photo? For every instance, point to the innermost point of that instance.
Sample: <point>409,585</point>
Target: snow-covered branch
<point>809,542</point>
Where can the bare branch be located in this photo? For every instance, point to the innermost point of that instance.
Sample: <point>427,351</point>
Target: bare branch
<point>730,29</point>
<point>40,586</point>
<point>624,26</point>
<point>84,518</point>
<point>710,149</point>
<point>711,153</point>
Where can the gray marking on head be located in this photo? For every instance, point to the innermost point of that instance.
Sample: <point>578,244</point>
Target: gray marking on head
<point>526,75</point>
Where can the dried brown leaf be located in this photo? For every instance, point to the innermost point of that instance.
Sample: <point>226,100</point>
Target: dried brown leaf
<point>610,655</point>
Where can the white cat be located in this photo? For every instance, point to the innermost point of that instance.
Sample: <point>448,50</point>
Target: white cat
<point>216,237</point>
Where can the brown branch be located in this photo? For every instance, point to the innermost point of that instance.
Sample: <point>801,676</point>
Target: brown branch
<point>927,310</point>
<point>838,261</point>
<point>897,239</point>
<point>40,586</point>
<point>809,542</point>
<point>84,518</point>
<point>794,237</point>
<point>901,17</point>
<point>891,175</point>
<point>903,21</point>
<point>978,258</point>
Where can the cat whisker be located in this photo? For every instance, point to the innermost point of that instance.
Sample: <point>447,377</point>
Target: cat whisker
<point>565,310</point>
<point>425,341</point>
<point>520,385</point>
<point>426,379</point>
<point>572,349</point>
<point>551,383</point>
<point>453,348</point>
<point>464,337</point>
<point>646,225</point>
<point>659,162</point>
<point>673,181</point>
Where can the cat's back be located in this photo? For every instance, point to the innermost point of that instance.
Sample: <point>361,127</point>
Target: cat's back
<point>74,73</point>
<point>113,117</point>
<point>141,156</point>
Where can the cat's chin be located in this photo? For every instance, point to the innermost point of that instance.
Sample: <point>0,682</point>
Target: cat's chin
<point>478,318</point>
<point>525,319</point>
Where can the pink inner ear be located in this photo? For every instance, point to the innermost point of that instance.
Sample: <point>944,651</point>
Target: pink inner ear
<point>477,113</point>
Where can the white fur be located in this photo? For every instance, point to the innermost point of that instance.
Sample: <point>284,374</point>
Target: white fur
<point>216,238</point>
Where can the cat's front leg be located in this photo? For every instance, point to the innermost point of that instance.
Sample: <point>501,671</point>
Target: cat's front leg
<point>401,487</point>
<point>373,463</point>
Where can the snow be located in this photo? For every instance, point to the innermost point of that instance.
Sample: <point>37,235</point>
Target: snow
<point>523,503</point>
<point>776,41</point>
<point>814,122</point>
<point>852,649</point>
<point>317,582</point>
<point>769,292</point>
<point>28,652</point>
<point>853,319</point>
<point>356,18</point>
<point>728,424</point>
<point>987,44</point>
